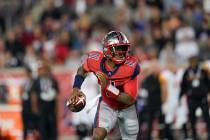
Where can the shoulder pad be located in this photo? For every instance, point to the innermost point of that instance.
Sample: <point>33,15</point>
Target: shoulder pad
<point>93,60</point>
<point>131,61</point>
<point>95,55</point>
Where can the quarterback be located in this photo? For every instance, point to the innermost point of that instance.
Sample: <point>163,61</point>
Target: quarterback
<point>118,75</point>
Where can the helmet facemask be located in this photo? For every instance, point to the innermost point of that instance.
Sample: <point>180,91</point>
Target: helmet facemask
<point>119,54</point>
<point>116,47</point>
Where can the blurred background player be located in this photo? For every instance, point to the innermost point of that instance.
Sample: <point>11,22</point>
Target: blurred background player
<point>29,119</point>
<point>152,85</point>
<point>117,73</point>
<point>170,82</point>
<point>195,85</point>
<point>44,101</point>
<point>153,105</point>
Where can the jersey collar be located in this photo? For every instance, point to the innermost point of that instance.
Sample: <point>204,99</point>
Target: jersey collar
<point>103,68</point>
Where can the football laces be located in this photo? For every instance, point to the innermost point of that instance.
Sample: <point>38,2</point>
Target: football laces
<point>80,100</point>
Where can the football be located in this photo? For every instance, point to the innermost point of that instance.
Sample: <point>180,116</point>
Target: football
<point>78,105</point>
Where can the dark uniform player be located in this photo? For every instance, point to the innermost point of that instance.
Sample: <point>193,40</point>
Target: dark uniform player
<point>153,109</point>
<point>44,96</point>
<point>27,115</point>
<point>195,84</point>
<point>117,73</point>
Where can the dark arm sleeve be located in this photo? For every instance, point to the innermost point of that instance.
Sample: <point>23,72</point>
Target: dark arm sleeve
<point>183,85</point>
<point>206,79</point>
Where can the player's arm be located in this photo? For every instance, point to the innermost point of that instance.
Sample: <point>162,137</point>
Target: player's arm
<point>164,93</point>
<point>125,98</point>
<point>129,95</point>
<point>78,80</point>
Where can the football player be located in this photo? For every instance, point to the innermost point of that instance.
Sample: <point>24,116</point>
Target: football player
<point>118,75</point>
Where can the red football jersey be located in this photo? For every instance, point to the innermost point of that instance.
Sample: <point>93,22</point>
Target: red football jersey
<point>124,77</point>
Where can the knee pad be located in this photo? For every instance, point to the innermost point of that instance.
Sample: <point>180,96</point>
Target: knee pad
<point>132,127</point>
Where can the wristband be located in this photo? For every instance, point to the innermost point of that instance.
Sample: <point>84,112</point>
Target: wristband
<point>112,91</point>
<point>78,80</point>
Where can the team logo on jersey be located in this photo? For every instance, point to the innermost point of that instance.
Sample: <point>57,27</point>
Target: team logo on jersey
<point>94,56</point>
<point>130,63</point>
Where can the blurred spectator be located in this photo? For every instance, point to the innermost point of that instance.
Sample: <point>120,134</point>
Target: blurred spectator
<point>98,30</point>
<point>74,60</point>
<point>2,53</point>
<point>206,6</point>
<point>80,7</point>
<point>186,45</point>
<point>169,101</point>
<point>30,59</point>
<point>14,50</point>
<point>50,12</point>
<point>170,5</point>
<point>122,19</point>
<point>204,49</point>
<point>38,40</point>
<point>62,47</point>
<point>195,85</point>
<point>29,119</point>
<point>2,25</point>
<point>170,87</point>
<point>27,36</point>
<point>3,93</point>
<point>153,105</point>
<point>44,102</point>
<point>166,54</point>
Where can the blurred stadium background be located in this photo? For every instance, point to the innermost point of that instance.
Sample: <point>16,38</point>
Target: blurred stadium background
<point>61,32</point>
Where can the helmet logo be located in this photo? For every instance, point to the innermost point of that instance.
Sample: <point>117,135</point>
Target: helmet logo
<point>113,41</point>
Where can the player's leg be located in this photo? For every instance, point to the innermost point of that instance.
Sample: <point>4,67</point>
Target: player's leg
<point>128,123</point>
<point>53,125</point>
<point>150,118</point>
<point>43,126</point>
<point>192,108</point>
<point>105,120</point>
<point>205,110</point>
<point>169,118</point>
<point>25,124</point>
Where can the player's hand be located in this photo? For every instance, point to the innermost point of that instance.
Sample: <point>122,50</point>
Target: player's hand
<point>102,78</point>
<point>73,97</point>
